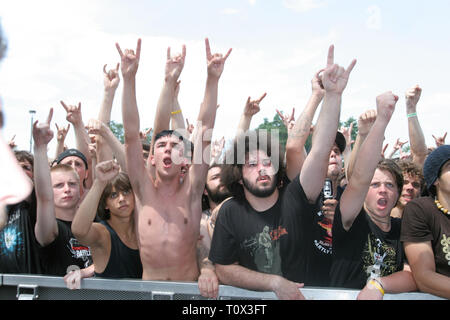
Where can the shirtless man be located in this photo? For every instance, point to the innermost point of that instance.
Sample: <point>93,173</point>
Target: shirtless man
<point>168,213</point>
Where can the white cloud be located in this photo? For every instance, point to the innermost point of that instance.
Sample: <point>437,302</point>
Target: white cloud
<point>252,2</point>
<point>374,20</point>
<point>303,5</point>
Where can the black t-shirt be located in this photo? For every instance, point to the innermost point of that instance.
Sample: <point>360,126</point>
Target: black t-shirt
<point>123,262</point>
<point>422,222</point>
<point>244,235</point>
<point>64,251</point>
<point>18,245</point>
<point>364,250</point>
<point>322,245</point>
<point>298,222</point>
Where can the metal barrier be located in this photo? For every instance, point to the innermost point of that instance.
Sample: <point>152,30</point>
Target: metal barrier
<point>31,287</point>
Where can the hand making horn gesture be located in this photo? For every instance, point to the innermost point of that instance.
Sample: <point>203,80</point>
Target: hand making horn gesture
<point>252,106</point>
<point>129,60</point>
<point>42,134</point>
<point>215,62</point>
<point>335,78</point>
<point>175,64</point>
<point>111,78</point>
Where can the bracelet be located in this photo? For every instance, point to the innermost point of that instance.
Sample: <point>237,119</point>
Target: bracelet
<point>176,112</point>
<point>377,285</point>
<point>410,115</point>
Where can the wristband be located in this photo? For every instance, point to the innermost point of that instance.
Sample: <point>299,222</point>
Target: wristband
<point>410,115</point>
<point>377,285</point>
<point>176,112</point>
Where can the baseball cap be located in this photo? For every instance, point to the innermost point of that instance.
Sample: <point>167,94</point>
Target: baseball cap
<point>340,141</point>
<point>70,153</point>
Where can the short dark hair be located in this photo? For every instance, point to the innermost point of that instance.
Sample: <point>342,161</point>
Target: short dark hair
<point>231,173</point>
<point>121,183</point>
<point>188,145</point>
<point>393,168</point>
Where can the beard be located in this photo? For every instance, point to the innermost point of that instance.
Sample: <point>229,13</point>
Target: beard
<point>261,192</point>
<point>217,195</point>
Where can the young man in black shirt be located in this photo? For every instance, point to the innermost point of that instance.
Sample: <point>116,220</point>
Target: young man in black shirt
<point>261,235</point>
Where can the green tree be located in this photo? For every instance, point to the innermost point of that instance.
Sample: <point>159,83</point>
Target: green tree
<point>347,123</point>
<point>276,124</point>
<point>117,130</point>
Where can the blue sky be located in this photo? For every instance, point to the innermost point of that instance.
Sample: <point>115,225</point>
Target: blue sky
<point>57,50</point>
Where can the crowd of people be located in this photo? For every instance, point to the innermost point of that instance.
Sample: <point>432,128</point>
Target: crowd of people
<point>257,215</point>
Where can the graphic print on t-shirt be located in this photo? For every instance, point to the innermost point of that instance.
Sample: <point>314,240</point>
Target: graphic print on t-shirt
<point>265,250</point>
<point>445,242</point>
<point>379,258</point>
<point>324,239</point>
<point>11,237</point>
<point>79,251</point>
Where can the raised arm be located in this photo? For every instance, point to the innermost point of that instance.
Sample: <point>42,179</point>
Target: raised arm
<point>74,116</point>
<point>353,197</point>
<point>440,141</point>
<point>130,116</point>
<point>176,115</point>
<point>61,134</point>
<point>109,140</point>
<point>397,147</point>
<point>164,109</point>
<point>111,81</point>
<point>83,227</point>
<point>205,120</point>
<point>295,144</point>
<point>251,108</point>
<point>419,149</point>
<point>334,81</point>
<point>46,228</point>
<point>365,122</point>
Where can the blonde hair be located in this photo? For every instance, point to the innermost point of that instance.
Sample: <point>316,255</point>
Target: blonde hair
<point>65,168</point>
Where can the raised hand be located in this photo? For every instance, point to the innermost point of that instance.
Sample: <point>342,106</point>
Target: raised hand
<point>252,106</point>
<point>111,78</point>
<point>106,170</point>
<point>189,126</point>
<point>217,147</point>
<point>412,97</point>
<point>365,121</point>
<point>347,132</point>
<point>335,78</point>
<point>174,65</point>
<point>289,121</point>
<point>317,85</point>
<point>215,62</point>
<point>96,126</point>
<point>386,105</point>
<point>398,144</point>
<point>73,113</point>
<point>440,141</point>
<point>42,134</point>
<point>143,134</point>
<point>129,60</point>
<point>61,133</point>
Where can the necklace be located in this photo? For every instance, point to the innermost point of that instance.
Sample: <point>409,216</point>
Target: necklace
<point>440,207</point>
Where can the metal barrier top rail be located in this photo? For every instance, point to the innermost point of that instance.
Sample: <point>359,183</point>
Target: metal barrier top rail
<point>19,286</point>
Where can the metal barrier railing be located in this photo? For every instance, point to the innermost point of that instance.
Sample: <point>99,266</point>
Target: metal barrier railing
<point>27,287</point>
